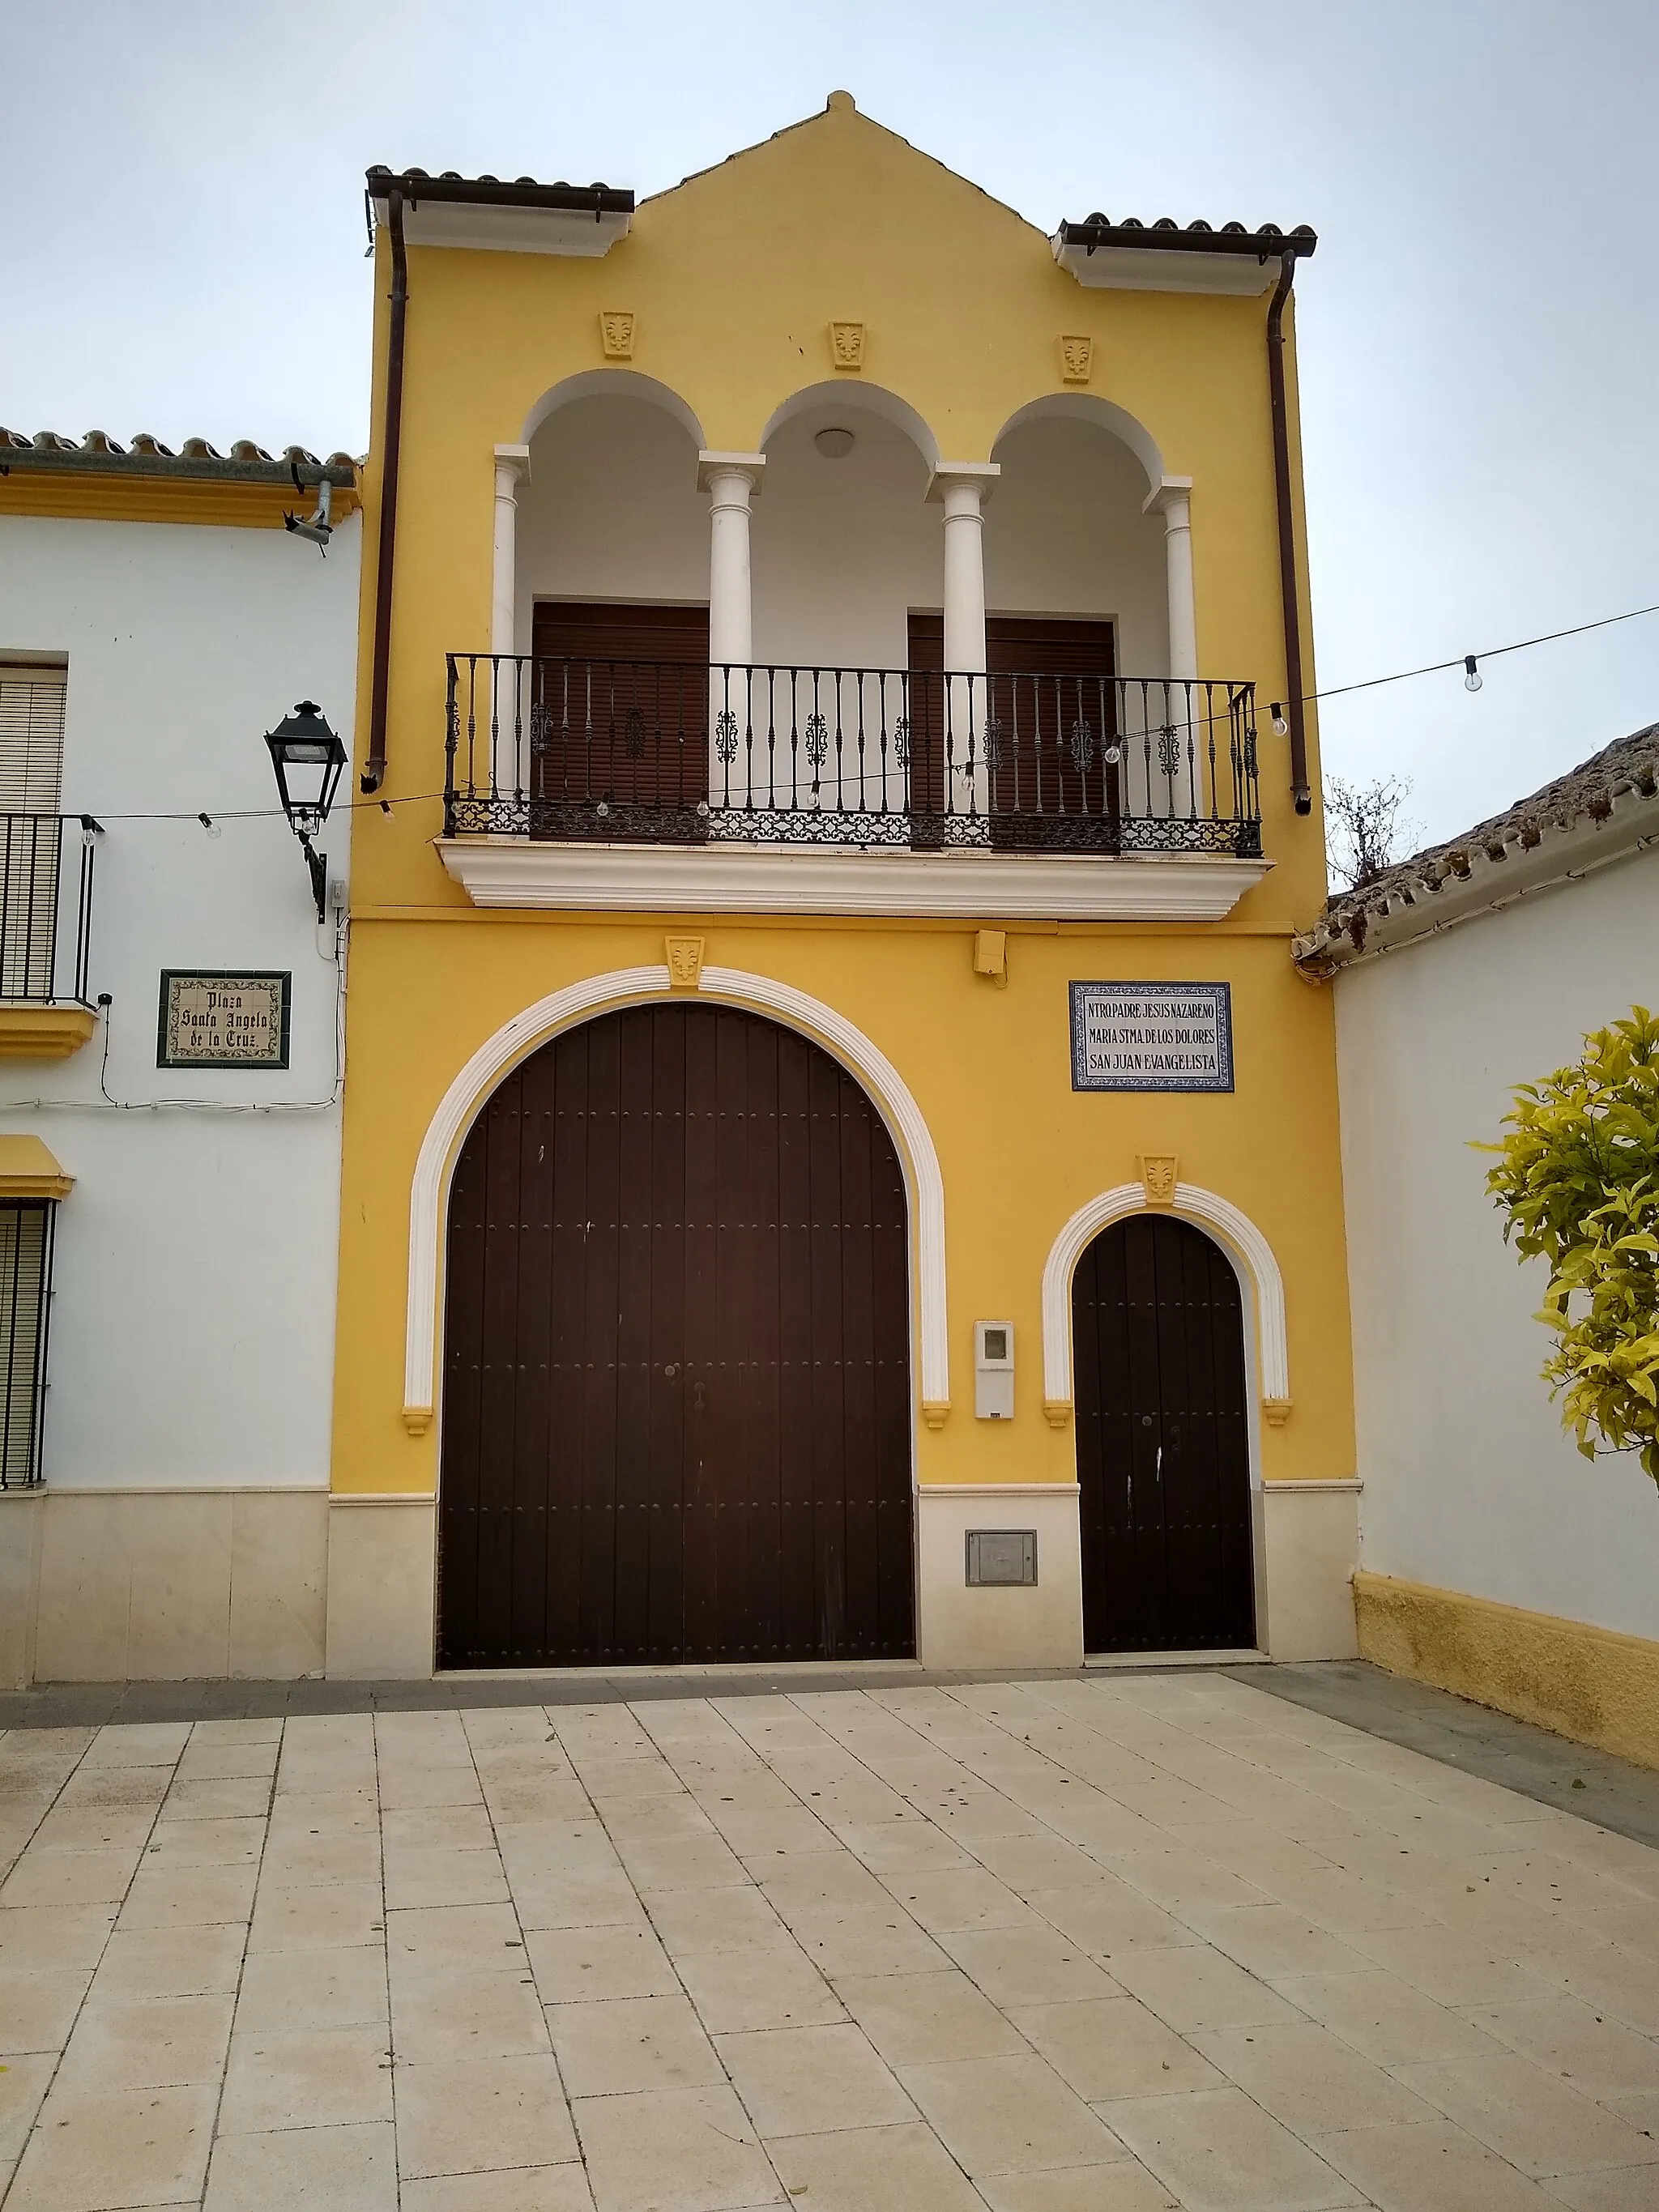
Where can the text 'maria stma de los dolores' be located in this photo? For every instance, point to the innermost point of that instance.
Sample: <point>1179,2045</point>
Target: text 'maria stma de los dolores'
<point>1151,1037</point>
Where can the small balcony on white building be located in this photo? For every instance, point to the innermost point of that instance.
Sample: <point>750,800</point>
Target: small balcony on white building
<point>841,674</point>
<point>46,861</point>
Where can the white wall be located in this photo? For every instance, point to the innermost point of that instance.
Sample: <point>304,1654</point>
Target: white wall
<point>611,511</point>
<point>192,1329</point>
<point>1470,1484</point>
<point>842,550</point>
<point>1065,535</point>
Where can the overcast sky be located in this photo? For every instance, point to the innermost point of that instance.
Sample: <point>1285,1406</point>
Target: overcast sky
<point>1479,332</point>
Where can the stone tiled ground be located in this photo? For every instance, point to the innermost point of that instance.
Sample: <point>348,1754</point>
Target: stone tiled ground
<point>1109,1945</point>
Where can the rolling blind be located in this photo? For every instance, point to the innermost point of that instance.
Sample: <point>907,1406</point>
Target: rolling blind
<point>567,630</point>
<point>31,738</point>
<point>31,837</point>
<point>1025,645</point>
<point>26,1229</point>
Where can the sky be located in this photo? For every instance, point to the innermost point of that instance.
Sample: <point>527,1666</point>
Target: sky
<point>182,184</point>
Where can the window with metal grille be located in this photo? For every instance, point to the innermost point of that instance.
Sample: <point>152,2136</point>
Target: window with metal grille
<point>26,1241</point>
<point>31,832</point>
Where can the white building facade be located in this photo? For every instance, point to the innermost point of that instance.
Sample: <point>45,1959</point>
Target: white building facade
<point>164,1507</point>
<point>1495,1560</point>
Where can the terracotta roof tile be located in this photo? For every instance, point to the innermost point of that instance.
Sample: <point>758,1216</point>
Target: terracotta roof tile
<point>1624,772</point>
<point>1234,237</point>
<point>99,454</point>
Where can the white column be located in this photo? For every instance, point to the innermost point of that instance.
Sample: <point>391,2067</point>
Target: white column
<point>1173,500</point>
<point>731,481</point>
<point>1185,706</point>
<point>511,469</point>
<point>511,696</point>
<point>961,488</point>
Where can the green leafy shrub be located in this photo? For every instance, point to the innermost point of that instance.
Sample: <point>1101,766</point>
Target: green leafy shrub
<point>1578,1183</point>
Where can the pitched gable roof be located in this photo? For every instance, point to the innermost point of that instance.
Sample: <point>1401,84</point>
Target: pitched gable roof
<point>839,110</point>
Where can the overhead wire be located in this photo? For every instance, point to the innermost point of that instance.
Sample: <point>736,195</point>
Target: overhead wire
<point>1492,652</point>
<point>384,804</point>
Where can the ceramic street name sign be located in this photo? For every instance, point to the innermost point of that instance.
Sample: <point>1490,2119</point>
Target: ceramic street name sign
<point>1151,1037</point>
<point>232,1019</point>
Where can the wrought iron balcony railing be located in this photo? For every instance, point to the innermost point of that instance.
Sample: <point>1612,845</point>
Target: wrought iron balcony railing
<point>672,752</point>
<point>43,950</point>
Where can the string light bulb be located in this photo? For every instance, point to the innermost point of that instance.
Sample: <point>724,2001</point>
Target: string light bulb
<point>209,824</point>
<point>1281,727</point>
<point>1470,673</point>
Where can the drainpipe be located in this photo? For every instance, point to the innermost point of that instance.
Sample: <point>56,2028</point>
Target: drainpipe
<point>392,431</point>
<point>1299,789</point>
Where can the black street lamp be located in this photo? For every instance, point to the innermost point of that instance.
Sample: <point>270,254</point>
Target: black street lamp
<point>309,761</point>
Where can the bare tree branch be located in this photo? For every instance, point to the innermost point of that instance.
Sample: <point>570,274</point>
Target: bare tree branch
<point>1364,829</point>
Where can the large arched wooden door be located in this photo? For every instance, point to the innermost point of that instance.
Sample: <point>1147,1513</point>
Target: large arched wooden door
<point>677,1395</point>
<point>1162,1442</point>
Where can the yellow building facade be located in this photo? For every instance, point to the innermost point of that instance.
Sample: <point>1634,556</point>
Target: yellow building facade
<point>838,1161</point>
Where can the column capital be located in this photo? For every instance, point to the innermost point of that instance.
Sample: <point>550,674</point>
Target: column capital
<point>512,461</point>
<point>1172,499</point>
<point>711,467</point>
<point>977,477</point>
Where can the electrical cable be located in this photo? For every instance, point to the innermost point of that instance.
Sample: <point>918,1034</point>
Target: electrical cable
<point>1493,652</point>
<point>385,806</point>
<point>110,1104</point>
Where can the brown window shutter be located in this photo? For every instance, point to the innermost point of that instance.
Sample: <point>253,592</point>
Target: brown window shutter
<point>566,629</point>
<point>1024,645</point>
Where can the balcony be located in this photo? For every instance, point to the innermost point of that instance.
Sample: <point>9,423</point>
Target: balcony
<point>44,1013</point>
<point>671,784</point>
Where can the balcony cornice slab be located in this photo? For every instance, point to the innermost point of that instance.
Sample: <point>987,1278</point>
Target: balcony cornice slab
<point>32,1030</point>
<point>1163,887</point>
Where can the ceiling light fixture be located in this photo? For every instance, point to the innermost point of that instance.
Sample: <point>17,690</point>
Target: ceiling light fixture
<point>834,444</point>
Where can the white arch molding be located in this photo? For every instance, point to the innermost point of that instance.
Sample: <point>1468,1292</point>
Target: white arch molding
<point>1105,414</point>
<point>851,394</point>
<point>613,383</point>
<point>621,987</point>
<point>1244,1242</point>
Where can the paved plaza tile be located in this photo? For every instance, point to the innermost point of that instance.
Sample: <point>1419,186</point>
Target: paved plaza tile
<point>1110,1943</point>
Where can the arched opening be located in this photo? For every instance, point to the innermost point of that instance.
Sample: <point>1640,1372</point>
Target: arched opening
<point>1163,1419</point>
<point>1066,537</point>
<point>1087,408</point>
<point>844,542</point>
<point>844,547</point>
<point>834,397</point>
<point>676,1414</point>
<point>612,513</point>
<point>610,719</point>
<point>615,383</point>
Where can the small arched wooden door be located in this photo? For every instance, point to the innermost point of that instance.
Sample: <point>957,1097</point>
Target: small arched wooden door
<point>676,1392</point>
<point>1162,1441</point>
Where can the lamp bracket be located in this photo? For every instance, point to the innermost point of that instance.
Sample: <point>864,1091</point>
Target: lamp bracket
<point>318,868</point>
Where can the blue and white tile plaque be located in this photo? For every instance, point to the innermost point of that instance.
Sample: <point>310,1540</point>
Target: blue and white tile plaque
<point>1151,1037</point>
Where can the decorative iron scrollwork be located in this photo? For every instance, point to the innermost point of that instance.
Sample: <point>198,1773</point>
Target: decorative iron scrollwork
<point>623,751</point>
<point>1100,834</point>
